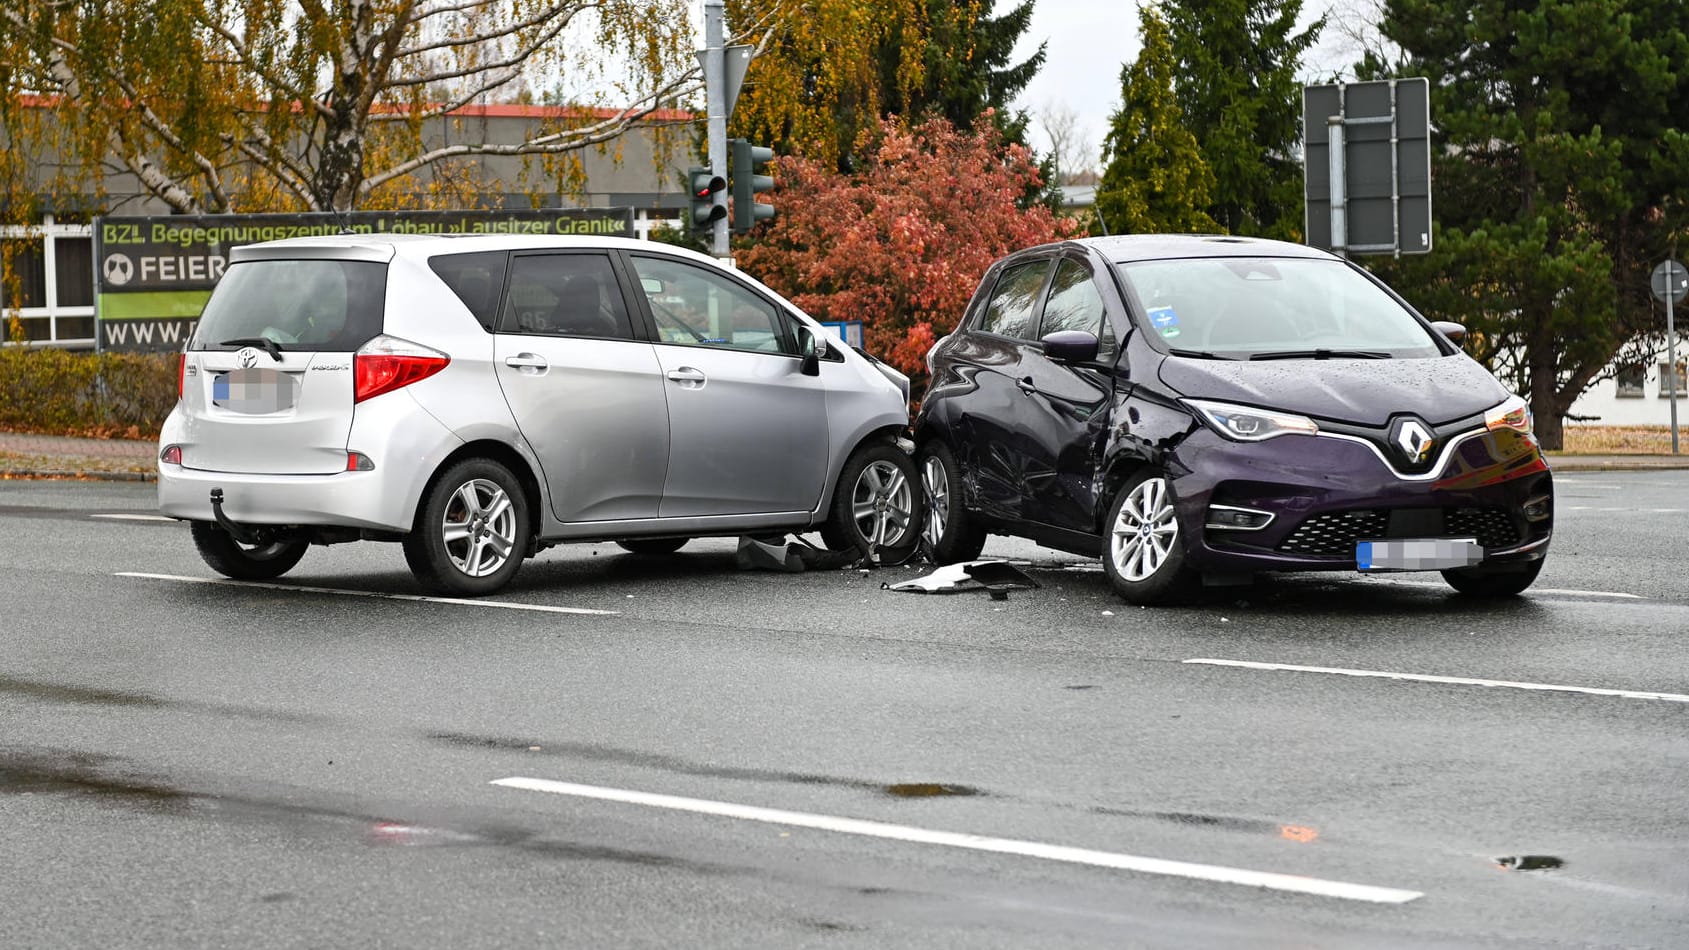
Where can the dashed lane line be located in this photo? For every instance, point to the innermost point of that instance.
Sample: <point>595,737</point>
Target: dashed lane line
<point>1446,680</point>
<point>1031,849</point>
<point>299,588</point>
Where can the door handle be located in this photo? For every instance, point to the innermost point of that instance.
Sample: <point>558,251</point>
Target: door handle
<point>1026,385</point>
<point>688,377</point>
<point>531,363</point>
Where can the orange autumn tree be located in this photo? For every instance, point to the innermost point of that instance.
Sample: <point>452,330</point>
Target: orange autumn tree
<point>901,243</point>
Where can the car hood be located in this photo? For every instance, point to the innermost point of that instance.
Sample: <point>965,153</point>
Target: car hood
<point>1363,392</point>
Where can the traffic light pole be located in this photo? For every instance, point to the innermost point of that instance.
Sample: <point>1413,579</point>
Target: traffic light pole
<point>715,106</point>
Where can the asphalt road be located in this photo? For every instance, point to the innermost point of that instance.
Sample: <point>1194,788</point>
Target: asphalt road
<point>718,758</point>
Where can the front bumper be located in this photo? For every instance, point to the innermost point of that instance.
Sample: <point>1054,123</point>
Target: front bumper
<point>1325,494</point>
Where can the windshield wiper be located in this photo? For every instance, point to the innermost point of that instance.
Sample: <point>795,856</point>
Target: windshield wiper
<point>1322,355</point>
<point>1199,354</point>
<point>270,346</point>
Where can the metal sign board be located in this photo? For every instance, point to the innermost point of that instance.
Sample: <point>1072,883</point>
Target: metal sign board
<point>1373,139</point>
<point>154,274</point>
<point>1671,280</point>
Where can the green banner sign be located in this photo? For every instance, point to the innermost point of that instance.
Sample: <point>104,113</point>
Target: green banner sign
<point>154,274</point>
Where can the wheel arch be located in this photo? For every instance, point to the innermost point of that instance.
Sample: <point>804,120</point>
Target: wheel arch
<point>888,433</point>
<point>504,454</point>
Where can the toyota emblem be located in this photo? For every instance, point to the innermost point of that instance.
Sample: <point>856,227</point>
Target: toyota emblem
<point>248,357</point>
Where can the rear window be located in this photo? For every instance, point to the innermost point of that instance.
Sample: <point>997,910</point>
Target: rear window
<point>333,306</point>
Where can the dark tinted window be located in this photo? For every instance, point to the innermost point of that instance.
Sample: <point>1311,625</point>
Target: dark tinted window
<point>73,261</point>
<point>477,279</point>
<point>565,295</point>
<point>696,306</point>
<point>1010,311</point>
<point>333,306</point>
<point>1076,304</point>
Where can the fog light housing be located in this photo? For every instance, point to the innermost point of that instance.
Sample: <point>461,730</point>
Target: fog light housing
<point>1233,518</point>
<point>172,455</point>
<point>1539,508</point>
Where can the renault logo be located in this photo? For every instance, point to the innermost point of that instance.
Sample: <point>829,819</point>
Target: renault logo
<point>1413,439</point>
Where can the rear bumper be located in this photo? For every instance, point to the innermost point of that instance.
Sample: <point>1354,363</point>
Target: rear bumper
<point>1325,494</point>
<point>406,443</point>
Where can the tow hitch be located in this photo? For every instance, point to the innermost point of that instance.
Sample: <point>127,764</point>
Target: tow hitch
<point>240,533</point>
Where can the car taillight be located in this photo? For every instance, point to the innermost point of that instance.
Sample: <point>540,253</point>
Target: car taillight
<point>172,455</point>
<point>387,363</point>
<point>182,376</point>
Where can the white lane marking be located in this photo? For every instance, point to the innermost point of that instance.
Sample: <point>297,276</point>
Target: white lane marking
<point>127,517</point>
<point>462,601</point>
<point>1561,591</point>
<point>951,839</point>
<point>1451,680</point>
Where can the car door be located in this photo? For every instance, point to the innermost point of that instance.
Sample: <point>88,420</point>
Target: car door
<point>1067,406</point>
<point>747,430</point>
<point>988,420</point>
<point>587,395</point>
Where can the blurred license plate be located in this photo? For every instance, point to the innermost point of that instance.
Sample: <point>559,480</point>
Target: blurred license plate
<point>1429,554</point>
<point>254,391</point>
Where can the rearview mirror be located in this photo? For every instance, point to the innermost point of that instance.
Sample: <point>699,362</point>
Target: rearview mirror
<point>813,347</point>
<point>1070,346</point>
<point>1454,331</point>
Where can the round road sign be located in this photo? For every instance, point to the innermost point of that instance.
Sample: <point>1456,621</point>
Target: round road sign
<point>1669,278</point>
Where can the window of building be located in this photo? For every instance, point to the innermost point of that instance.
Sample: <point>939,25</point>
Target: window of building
<point>1665,381</point>
<point>1630,380</point>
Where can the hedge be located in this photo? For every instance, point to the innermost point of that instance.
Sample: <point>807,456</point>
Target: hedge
<point>123,395</point>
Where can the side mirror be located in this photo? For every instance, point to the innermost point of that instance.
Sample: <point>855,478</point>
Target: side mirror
<point>1070,346</point>
<point>1454,331</point>
<point>813,347</point>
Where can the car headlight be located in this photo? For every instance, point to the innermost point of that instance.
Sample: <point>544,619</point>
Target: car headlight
<point>1248,424</point>
<point>1513,414</point>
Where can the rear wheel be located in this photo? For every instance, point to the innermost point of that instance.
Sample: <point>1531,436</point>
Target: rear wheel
<point>1506,582</point>
<point>472,531</point>
<point>876,506</point>
<point>652,547</point>
<point>949,533</point>
<point>1143,549</point>
<point>246,562</point>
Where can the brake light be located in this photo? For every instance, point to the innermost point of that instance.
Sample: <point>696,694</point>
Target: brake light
<point>387,363</point>
<point>182,375</point>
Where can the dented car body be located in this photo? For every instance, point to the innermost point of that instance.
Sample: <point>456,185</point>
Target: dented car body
<point>1195,408</point>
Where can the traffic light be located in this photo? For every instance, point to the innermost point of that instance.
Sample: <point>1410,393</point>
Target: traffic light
<point>704,185</point>
<point>748,159</point>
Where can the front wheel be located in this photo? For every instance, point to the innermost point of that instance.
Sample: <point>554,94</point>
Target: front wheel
<point>1143,550</point>
<point>949,534</point>
<point>876,506</point>
<point>245,562</point>
<point>1502,582</point>
<point>472,531</point>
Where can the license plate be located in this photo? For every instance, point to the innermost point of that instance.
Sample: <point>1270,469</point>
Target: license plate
<point>1425,554</point>
<point>254,391</point>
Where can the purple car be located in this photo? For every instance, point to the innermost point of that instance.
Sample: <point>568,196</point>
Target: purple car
<point>1202,409</point>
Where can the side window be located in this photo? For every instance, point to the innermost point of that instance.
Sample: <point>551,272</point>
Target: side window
<point>1075,304</point>
<point>1010,311</point>
<point>565,295</point>
<point>477,279</point>
<point>693,306</point>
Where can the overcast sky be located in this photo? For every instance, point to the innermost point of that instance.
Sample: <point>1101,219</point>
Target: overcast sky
<point>1088,40</point>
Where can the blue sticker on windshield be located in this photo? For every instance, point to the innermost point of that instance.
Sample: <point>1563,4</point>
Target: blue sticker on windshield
<point>1165,320</point>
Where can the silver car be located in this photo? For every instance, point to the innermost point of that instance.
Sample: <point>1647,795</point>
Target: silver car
<point>478,399</point>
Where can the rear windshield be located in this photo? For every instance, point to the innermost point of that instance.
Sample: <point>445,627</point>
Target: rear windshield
<point>333,306</point>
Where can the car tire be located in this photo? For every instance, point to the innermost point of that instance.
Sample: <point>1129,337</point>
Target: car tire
<point>949,533</point>
<point>1143,546</point>
<point>1508,582</point>
<point>876,505</point>
<point>472,530</point>
<point>652,547</point>
<point>245,562</point>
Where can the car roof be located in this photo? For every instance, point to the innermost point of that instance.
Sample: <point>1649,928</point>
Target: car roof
<point>1125,248</point>
<point>386,246</point>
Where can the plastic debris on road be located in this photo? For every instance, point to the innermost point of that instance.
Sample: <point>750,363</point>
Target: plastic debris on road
<point>995,577</point>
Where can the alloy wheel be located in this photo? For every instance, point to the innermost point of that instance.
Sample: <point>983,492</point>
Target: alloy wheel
<point>479,527</point>
<point>1144,531</point>
<point>935,481</point>
<point>883,504</point>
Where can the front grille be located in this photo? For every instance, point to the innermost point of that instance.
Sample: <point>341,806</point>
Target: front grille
<point>1493,527</point>
<point>1334,534</point>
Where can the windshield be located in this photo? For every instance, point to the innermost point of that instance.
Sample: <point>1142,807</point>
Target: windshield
<point>328,305</point>
<point>1243,308</point>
